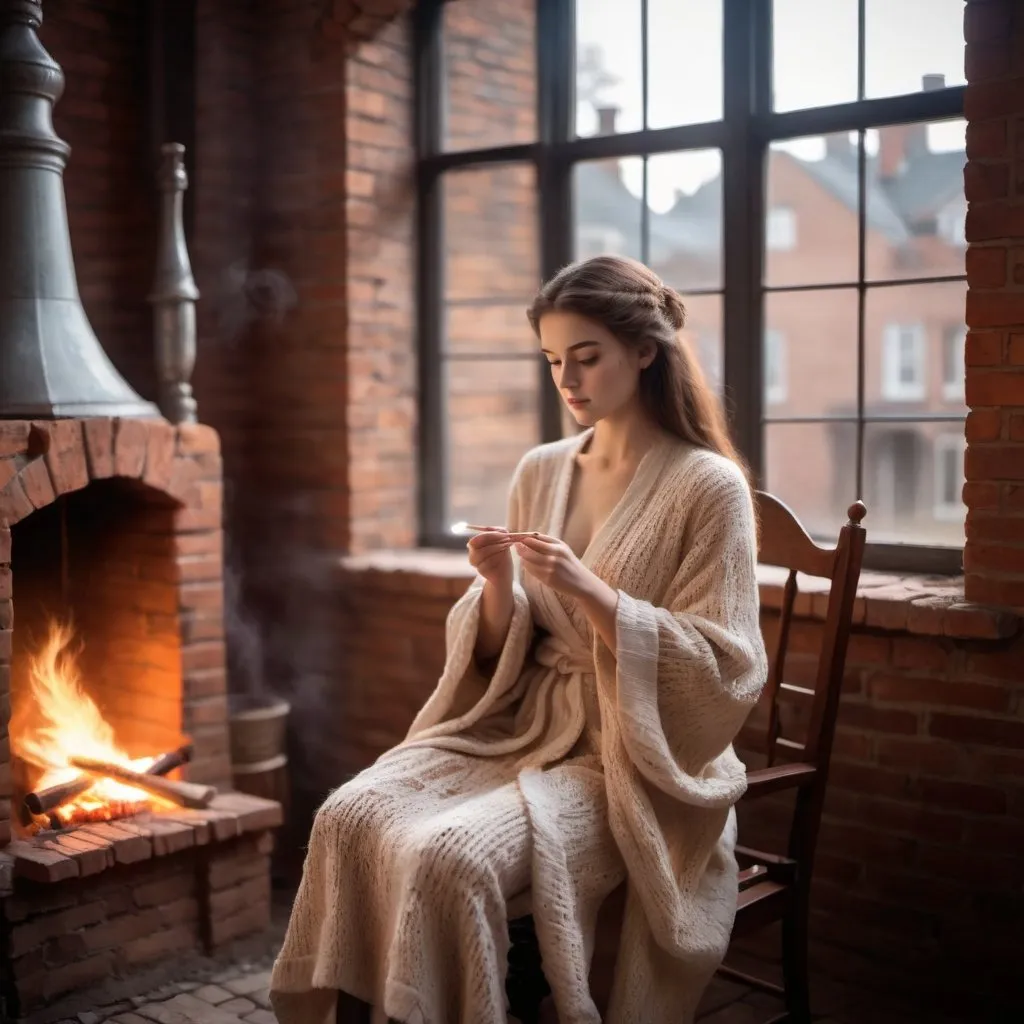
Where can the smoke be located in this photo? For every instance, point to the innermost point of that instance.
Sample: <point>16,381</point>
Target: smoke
<point>245,297</point>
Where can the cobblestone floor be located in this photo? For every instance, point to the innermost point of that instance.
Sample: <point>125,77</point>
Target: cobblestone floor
<point>238,995</point>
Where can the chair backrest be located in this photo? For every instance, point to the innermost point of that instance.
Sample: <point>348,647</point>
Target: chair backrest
<point>786,544</point>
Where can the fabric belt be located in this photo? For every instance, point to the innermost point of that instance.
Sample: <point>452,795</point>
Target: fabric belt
<point>565,658</point>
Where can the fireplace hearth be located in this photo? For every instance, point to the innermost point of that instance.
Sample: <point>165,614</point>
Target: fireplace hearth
<point>121,843</point>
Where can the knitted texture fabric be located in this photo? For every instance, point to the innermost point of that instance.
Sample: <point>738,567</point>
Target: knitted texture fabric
<point>567,769</point>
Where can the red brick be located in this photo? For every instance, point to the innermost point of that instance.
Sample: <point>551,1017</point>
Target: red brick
<point>1000,558</point>
<point>986,266</point>
<point>986,139</point>
<point>194,439</point>
<point>994,462</point>
<point>987,22</point>
<point>1008,593</point>
<point>13,437</point>
<point>1015,353</point>
<point>161,441</point>
<point>963,796</point>
<point>911,819</point>
<point>35,478</point>
<point>996,309</point>
<point>65,455</point>
<point>982,528</point>
<point>129,447</point>
<point>984,425</point>
<point>984,348</point>
<point>981,495</point>
<point>993,732</point>
<point>984,182</point>
<point>985,60</point>
<point>99,447</point>
<point>1016,428</point>
<point>996,387</point>
<point>939,692</point>
<point>985,100</point>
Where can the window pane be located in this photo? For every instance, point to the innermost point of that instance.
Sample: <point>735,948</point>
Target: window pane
<point>492,417</point>
<point>915,200</point>
<point>703,333</point>
<point>490,234</point>
<point>609,67</point>
<point>684,91</point>
<point>488,328</point>
<point>815,53</point>
<point>684,191</point>
<point>812,336</point>
<point>607,205</point>
<point>913,481</point>
<point>906,334</point>
<point>490,76</point>
<point>811,225</point>
<point>811,467</point>
<point>909,44</point>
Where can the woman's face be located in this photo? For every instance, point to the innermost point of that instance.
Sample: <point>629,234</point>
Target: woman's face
<point>596,375</point>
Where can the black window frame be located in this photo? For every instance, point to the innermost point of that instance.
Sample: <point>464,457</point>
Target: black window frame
<point>747,129</point>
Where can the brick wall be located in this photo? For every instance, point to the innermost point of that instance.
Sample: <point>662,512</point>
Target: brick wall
<point>994,182</point>
<point>110,179</point>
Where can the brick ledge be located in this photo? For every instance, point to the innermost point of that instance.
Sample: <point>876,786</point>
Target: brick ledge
<point>923,605</point>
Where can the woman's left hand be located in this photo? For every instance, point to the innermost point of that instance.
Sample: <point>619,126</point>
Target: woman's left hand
<point>552,562</point>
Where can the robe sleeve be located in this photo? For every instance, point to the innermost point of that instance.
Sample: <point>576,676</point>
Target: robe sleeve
<point>689,670</point>
<point>465,693</point>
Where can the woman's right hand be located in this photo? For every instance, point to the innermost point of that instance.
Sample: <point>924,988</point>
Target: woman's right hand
<point>490,553</point>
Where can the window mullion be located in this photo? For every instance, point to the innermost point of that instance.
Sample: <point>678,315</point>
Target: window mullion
<point>433,453</point>
<point>745,53</point>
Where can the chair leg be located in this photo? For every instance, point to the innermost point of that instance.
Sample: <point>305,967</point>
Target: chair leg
<point>795,964</point>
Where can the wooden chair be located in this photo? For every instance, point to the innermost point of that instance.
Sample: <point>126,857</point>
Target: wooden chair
<point>773,886</point>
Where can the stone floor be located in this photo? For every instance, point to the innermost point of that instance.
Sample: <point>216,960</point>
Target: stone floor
<point>238,995</point>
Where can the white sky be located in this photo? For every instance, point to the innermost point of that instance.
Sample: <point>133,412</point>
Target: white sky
<point>815,65</point>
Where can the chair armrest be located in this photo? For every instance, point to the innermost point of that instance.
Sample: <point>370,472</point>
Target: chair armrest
<point>762,781</point>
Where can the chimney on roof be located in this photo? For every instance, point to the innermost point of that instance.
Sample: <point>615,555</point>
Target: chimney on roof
<point>606,118</point>
<point>898,143</point>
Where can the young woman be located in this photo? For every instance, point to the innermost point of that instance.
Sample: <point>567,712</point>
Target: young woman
<point>581,732</point>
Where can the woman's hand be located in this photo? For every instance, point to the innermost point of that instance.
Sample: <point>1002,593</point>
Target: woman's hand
<point>552,562</point>
<point>490,554</point>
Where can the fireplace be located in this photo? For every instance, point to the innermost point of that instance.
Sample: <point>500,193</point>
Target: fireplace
<point>111,607</point>
<point>112,527</point>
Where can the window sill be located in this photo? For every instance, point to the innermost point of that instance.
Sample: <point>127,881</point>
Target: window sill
<point>923,605</point>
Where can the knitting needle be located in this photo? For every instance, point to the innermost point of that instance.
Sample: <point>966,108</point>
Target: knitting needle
<point>470,528</point>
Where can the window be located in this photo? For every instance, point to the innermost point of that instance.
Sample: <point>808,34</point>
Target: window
<point>903,363</point>
<point>949,477</point>
<point>780,231</point>
<point>798,175</point>
<point>953,342</point>
<point>774,367</point>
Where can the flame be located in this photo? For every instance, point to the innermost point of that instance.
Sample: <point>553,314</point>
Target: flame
<point>65,722</point>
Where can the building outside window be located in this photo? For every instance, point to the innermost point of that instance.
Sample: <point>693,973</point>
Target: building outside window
<point>774,367</point>
<point>780,229</point>
<point>949,477</point>
<point>953,342</point>
<point>903,363</point>
<point>801,171</point>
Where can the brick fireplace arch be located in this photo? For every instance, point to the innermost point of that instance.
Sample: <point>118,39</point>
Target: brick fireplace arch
<point>141,575</point>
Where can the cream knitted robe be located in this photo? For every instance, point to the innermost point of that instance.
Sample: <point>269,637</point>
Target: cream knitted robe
<point>570,767</point>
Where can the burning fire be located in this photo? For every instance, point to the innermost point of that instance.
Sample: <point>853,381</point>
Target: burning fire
<point>60,720</point>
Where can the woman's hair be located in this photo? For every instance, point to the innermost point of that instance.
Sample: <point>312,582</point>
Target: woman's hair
<point>632,302</point>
